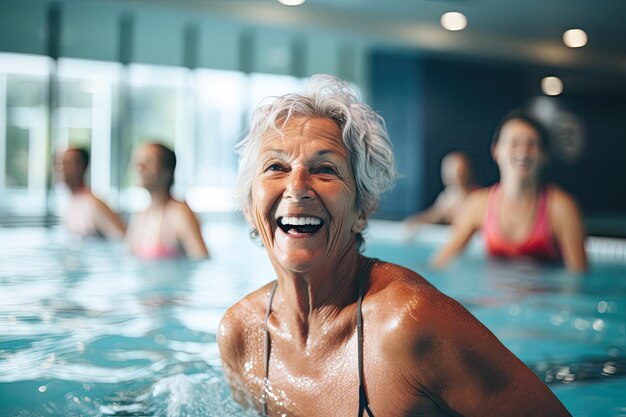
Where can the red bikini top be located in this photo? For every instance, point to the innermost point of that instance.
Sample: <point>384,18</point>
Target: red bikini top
<point>539,243</point>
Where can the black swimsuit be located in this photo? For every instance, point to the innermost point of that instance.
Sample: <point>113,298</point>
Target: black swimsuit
<point>363,404</point>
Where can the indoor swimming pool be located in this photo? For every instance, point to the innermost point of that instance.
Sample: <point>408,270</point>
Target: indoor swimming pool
<point>87,330</point>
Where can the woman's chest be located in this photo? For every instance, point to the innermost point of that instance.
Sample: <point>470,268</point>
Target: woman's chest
<point>324,387</point>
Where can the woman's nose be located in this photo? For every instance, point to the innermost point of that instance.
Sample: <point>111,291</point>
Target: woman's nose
<point>298,187</point>
<point>526,150</point>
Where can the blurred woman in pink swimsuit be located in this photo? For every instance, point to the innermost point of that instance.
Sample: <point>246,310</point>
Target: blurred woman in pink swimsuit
<point>167,228</point>
<point>520,216</point>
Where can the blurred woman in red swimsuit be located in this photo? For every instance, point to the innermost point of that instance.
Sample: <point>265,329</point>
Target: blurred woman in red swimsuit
<point>520,216</point>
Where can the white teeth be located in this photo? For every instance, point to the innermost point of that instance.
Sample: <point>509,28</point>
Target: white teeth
<point>521,161</point>
<point>301,221</point>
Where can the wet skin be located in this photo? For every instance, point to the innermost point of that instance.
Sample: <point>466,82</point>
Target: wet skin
<point>305,174</point>
<point>424,354</point>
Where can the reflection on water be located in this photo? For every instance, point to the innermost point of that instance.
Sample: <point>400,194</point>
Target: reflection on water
<point>588,370</point>
<point>570,329</point>
<point>85,329</point>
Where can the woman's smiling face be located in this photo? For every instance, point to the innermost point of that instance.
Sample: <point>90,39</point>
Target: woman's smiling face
<point>304,195</point>
<point>518,151</point>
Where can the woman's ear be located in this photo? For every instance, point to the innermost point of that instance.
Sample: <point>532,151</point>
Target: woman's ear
<point>359,223</point>
<point>494,152</point>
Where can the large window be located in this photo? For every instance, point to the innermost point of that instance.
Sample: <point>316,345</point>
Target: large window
<point>87,92</point>
<point>23,133</point>
<point>110,110</point>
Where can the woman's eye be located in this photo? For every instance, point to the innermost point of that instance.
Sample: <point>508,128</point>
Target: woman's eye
<point>326,169</point>
<point>275,167</point>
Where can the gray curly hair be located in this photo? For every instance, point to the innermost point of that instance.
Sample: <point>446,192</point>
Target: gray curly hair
<point>363,132</point>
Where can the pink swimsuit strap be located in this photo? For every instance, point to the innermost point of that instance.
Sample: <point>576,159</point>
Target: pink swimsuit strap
<point>157,252</point>
<point>538,244</point>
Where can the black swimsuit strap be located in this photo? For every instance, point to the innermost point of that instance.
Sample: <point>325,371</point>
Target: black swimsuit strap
<point>363,403</point>
<point>266,351</point>
<point>363,275</point>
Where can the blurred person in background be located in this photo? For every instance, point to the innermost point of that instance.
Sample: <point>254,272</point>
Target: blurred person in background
<point>167,228</point>
<point>456,175</point>
<point>86,215</point>
<point>520,216</point>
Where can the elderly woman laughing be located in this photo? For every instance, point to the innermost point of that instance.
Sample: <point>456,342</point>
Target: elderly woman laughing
<point>337,333</point>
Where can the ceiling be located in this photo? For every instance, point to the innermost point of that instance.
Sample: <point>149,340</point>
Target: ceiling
<point>528,30</point>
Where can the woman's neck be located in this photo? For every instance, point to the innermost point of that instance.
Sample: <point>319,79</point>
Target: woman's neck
<point>315,298</point>
<point>515,190</point>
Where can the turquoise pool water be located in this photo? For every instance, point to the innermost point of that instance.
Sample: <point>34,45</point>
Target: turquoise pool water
<point>87,330</point>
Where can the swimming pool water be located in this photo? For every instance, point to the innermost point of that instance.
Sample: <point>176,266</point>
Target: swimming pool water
<point>87,330</point>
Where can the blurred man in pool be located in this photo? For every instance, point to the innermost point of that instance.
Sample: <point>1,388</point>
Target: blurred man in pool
<point>456,175</point>
<point>338,333</point>
<point>86,215</point>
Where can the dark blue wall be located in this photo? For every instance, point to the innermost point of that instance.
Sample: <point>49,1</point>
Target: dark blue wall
<point>598,178</point>
<point>463,103</point>
<point>433,107</point>
<point>397,91</point>
<point>435,104</point>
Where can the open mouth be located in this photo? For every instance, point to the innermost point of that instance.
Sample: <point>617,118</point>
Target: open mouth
<point>523,162</point>
<point>300,225</point>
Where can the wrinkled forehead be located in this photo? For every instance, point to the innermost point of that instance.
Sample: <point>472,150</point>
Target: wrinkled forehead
<point>308,131</point>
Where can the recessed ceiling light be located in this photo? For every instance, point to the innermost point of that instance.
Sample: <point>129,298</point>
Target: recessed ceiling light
<point>453,21</point>
<point>552,86</point>
<point>575,38</point>
<point>291,2</point>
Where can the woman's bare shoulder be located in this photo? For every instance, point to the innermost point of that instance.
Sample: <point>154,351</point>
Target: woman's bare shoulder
<point>563,207</point>
<point>560,198</point>
<point>245,315</point>
<point>402,291</point>
<point>181,213</point>
<point>411,306</point>
<point>473,209</point>
<point>439,347</point>
<point>387,273</point>
<point>252,305</point>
